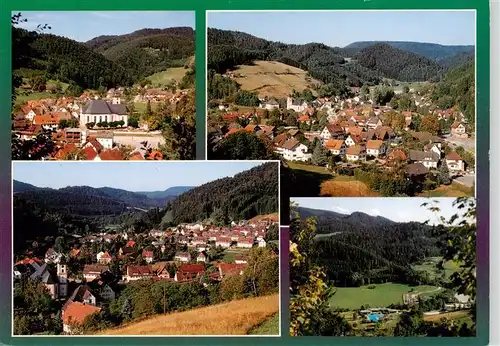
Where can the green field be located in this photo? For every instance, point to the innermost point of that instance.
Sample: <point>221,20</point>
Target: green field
<point>309,168</point>
<point>22,97</point>
<point>173,74</point>
<point>140,107</point>
<point>382,295</point>
<point>270,326</point>
<point>52,82</point>
<point>430,266</point>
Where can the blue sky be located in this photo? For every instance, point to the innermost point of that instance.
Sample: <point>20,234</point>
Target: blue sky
<point>131,176</point>
<point>396,209</point>
<point>339,28</point>
<point>85,25</point>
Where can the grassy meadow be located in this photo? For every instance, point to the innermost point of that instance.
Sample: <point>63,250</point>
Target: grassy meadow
<point>237,317</point>
<point>381,296</point>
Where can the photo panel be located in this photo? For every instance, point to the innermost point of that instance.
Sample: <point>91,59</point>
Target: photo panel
<point>383,267</point>
<point>83,89</point>
<point>146,249</point>
<point>365,112</point>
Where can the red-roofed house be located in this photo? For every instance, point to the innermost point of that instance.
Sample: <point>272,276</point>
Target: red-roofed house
<point>231,269</point>
<point>223,242</point>
<point>111,155</point>
<point>182,257</point>
<point>188,272</point>
<point>147,256</point>
<point>397,155</point>
<point>454,162</point>
<point>75,314</point>
<point>104,258</point>
<point>375,148</point>
<point>202,257</point>
<point>244,242</point>
<point>135,273</point>
<point>336,146</point>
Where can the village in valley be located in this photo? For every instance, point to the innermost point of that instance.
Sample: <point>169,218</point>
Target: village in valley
<point>106,272</point>
<point>108,105</point>
<point>343,118</point>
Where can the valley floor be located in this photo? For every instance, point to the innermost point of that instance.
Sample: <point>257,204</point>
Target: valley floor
<point>381,296</point>
<point>239,317</point>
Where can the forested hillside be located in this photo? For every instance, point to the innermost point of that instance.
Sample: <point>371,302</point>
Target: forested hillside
<point>458,89</point>
<point>357,64</point>
<point>65,60</point>
<point>148,51</point>
<point>398,64</point>
<point>243,196</point>
<point>226,49</point>
<point>106,61</point>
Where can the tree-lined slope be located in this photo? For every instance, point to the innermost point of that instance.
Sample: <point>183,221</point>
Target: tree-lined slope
<point>243,196</point>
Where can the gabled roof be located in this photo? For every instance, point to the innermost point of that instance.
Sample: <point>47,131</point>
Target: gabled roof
<point>80,293</point>
<point>111,154</point>
<point>103,107</point>
<point>76,312</point>
<point>374,144</point>
<point>334,144</point>
<point>139,271</point>
<point>146,253</point>
<point>290,144</point>
<point>457,124</point>
<point>94,269</point>
<point>453,156</point>
<point>354,150</point>
<point>416,155</point>
<point>416,169</point>
<point>334,129</point>
<point>397,154</point>
<point>231,268</point>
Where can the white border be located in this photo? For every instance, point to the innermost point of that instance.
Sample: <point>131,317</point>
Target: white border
<point>13,163</point>
<point>380,10</point>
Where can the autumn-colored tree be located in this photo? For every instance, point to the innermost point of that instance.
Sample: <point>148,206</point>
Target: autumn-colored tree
<point>430,123</point>
<point>310,313</point>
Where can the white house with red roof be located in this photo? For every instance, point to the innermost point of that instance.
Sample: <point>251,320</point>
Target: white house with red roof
<point>202,257</point>
<point>182,257</point>
<point>147,256</point>
<point>75,314</point>
<point>454,162</point>
<point>245,243</point>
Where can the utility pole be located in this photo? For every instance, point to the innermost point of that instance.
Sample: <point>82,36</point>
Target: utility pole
<point>164,299</point>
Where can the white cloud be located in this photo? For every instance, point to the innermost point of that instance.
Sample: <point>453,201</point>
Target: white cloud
<point>403,216</point>
<point>341,210</point>
<point>374,212</point>
<point>102,15</point>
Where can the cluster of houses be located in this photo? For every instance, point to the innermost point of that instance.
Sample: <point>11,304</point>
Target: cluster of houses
<point>85,126</point>
<point>356,131</point>
<point>98,285</point>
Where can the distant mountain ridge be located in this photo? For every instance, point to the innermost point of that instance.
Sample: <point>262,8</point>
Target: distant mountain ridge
<point>171,191</point>
<point>431,51</point>
<point>357,219</point>
<point>66,196</point>
<point>350,66</point>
